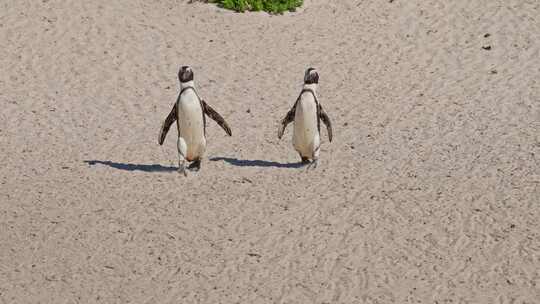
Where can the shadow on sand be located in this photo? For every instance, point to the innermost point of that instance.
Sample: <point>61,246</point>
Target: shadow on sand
<point>256,163</point>
<point>132,167</point>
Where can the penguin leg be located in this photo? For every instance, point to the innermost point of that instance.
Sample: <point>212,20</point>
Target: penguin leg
<point>182,152</point>
<point>196,165</point>
<point>315,161</point>
<point>305,160</point>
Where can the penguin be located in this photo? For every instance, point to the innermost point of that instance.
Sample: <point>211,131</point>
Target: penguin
<point>190,113</point>
<point>307,114</point>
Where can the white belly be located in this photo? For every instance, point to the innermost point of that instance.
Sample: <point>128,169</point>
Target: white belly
<point>306,134</point>
<point>191,125</point>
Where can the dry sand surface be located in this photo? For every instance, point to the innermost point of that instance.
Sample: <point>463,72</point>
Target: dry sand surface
<point>429,193</point>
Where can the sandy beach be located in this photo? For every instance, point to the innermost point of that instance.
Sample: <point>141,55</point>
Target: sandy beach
<point>428,193</point>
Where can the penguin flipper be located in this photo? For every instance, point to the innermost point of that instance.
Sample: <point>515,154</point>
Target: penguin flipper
<point>216,117</point>
<point>287,120</point>
<point>326,120</point>
<point>171,118</point>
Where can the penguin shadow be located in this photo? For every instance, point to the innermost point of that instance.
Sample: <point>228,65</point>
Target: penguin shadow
<point>132,167</point>
<point>256,163</point>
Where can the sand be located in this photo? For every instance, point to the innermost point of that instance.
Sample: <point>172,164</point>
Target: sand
<point>429,192</point>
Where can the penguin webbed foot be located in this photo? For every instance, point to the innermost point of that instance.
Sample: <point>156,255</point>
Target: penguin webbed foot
<point>309,164</point>
<point>312,165</point>
<point>195,166</point>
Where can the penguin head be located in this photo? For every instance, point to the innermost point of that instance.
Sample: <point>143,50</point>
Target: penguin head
<point>311,76</point>
<point>185,74</point>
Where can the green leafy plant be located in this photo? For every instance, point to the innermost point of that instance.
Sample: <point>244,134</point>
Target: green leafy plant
<point>271,6</point>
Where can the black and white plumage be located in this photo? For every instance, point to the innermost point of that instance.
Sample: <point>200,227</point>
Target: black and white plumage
<point>190,113</point>
<point>307,114</point>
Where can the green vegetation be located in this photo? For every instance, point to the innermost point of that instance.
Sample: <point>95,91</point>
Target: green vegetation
<point>271,6</point>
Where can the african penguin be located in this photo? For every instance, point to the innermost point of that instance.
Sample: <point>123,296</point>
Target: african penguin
<point>189,113</point>
<point>307,113</point>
